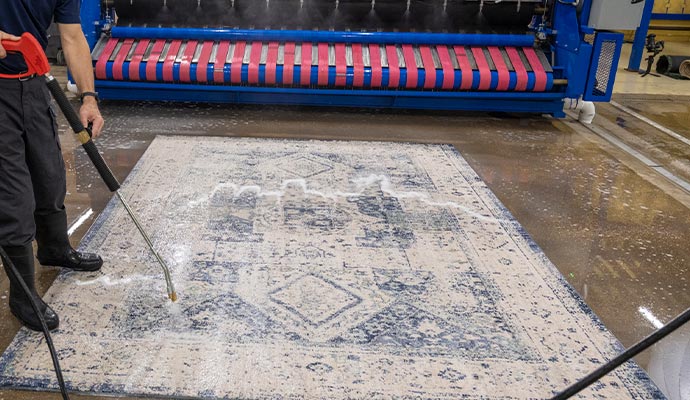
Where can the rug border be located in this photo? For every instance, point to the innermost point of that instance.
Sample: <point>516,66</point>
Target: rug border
<point>537,251</point>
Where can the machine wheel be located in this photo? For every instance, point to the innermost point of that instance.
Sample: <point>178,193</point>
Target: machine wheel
<point>60,58</point>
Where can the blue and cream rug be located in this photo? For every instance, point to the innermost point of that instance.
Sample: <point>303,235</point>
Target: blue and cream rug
<point>318,270</point>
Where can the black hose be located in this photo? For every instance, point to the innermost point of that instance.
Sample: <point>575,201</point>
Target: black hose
<point>78,128</point>
<point>101,166</point>
<point>636,349</point>
<point>64,104</point>
<point>46,333</point>
<point>670,64</point>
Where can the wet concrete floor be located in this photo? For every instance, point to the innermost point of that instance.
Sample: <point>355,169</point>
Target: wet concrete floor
<point>617,231</point>
<point>672,113</point>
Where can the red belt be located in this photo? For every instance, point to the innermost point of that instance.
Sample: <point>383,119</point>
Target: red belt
<point>254,61</point>
<point>271,61</point>
<point>136,59</point>
<point>105,56</point>
<point>186,63</point>
<point>323,64</point>
<point>170,60</point>
<point>288,63</point>
<point>539,72</point>
<point>501,67</point>
<point>120,59</point>
<point>358,62</point>
<point>411,66</point>
<point>202,65</point>
<point>219,62</point>
<point>237,60</point>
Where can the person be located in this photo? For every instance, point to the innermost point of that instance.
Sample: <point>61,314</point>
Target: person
<point>32,170</point>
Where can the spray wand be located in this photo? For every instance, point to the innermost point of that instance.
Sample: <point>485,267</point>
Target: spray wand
<point>37,65</point>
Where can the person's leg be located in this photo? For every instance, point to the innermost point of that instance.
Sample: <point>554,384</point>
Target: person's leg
<point>47,167</point>
<point>17,206</point>
<point>22,257</point>
<point>16,194</point>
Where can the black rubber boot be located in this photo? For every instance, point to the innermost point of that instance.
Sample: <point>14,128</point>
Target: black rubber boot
<point>23,259</point>
<point>54,248</point>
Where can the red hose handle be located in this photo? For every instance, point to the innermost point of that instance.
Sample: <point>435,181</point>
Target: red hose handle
<point>32,51</point>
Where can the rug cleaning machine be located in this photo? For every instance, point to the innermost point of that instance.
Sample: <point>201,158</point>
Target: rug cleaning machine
<point>530,56</point>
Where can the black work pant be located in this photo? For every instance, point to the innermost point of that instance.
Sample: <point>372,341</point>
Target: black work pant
<point>32,170</point>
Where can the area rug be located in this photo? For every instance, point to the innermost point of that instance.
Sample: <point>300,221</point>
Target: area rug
<point>318,270</point>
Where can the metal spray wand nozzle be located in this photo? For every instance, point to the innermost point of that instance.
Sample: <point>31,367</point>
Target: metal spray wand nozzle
<point>84,136</point>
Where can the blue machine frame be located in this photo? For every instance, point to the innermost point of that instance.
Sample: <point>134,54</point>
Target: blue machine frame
<point>573,48</point>
<point>641,37</point>
<point>641,33</point>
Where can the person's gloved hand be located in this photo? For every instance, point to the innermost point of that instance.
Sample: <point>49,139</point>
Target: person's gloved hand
<point>90,114</point>
<point>6,36</point>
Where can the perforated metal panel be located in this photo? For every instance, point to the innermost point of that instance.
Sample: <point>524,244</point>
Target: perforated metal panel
<point>602,70</point>
<point>603,74</point>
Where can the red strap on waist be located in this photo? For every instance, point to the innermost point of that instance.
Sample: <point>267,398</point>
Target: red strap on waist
<point>340,65</point>
<point>271,61</point>
<point>120,59</point>
<point>483,66</point>
<point>393,66</point>
<point>170,60</point>
<point>105,56</point>
<point>323,64</point>
<point>538,68</point>
<point>136,59</point>
<point>429,67</point>
<point>358,63</point>
<point>254,61</point>
<point>466,71</point>
<point>411,66</point>
<point>237,60</point>
<point>501,67</point>
<point>219,61</point>
<point>289,63</point>
<point>520,70</point>
<point>447,66</point>
<point>376,69</point>
<point>204,58</point>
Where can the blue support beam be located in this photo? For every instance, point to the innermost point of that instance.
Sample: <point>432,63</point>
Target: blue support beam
<point>90,21</point>
<point>671,17</point>
<point>521,102</point>
<point>572,53</point>
<point>585,11</point>
<point>641,37</point>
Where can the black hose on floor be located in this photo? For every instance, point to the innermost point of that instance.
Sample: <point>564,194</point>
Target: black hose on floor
<point>670,64</point>
<point>626,356</point>
<point>46,332</point>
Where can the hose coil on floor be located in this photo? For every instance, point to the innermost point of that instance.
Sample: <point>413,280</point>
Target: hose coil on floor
<point>670,64</point>
<point>684,69</point>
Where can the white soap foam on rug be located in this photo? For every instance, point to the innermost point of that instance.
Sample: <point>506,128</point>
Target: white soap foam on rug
<point>318,270</point>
